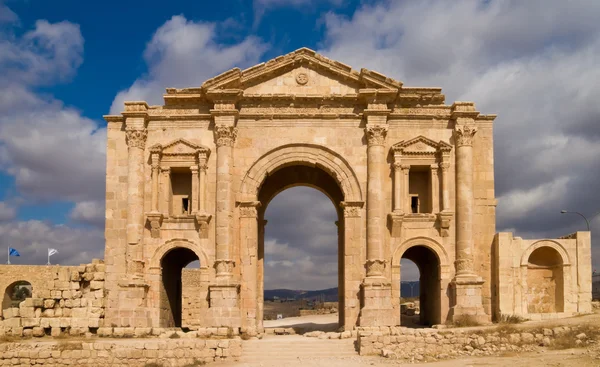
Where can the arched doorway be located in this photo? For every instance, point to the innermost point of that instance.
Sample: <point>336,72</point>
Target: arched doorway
<point>301,175</point>
<point>545,281</point>
<point>16,293</point>
<point>171,293</point>
<point>428,266</point>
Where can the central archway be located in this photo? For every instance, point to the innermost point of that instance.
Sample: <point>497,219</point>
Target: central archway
<point>320,168</point>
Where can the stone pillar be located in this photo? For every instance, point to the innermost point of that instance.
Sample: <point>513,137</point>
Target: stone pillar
<point>352,236</point>
<point>398,197</point>
<point>225,138</point>
<point>466,284</point>
<point>445,187</point>
<point>435,189</point>
<point>195,199</point>
<point>377,290</point>
<point>155,176</point>
<point>405,187</point>
<point>202,179</point>
<point>166,190</point>
<point>136,141</point>
<point>249,265</point>
<point>260,279</point>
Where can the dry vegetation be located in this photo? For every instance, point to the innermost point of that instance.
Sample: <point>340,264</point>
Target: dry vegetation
<point>463,321</point>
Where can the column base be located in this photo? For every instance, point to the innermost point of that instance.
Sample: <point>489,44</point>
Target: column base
<point>467,292</point>
<point>224,305</point>
<point>377,303</point>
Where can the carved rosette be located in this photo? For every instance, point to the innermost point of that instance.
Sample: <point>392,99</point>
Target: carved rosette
<point>375,268</point>
<point>376,134</point>
<point>224,267</point>
<point>136,138</point>
<point>225,135</point>
<point>464,134</point>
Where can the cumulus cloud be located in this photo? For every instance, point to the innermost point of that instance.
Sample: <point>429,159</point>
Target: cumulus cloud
<point>533,63</point>
<point>33,238</point>
<point>185,53</point>
<point>89,212</point>
<point>7,212</point>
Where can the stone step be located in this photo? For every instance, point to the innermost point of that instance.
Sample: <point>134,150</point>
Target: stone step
<point>294,347</point>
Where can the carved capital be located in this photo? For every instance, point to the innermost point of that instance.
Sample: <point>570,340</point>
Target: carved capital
<point>224,267</point>
<point>397,166</point>
<point>464,134</point>
<point>463,266</point>
<point>136,138</point>
<point>225,135</point>
<point>445,167</point>
<point>375,267</point>
<point>248,209</point>
<point>376,134</point>
<point>352,208</point>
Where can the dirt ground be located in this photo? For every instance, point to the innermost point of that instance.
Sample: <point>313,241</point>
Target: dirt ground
<point>579,357</point>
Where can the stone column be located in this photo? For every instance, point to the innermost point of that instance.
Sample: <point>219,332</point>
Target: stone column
<point>136,141</point>
<point>195,190</point>
<point>202,179</point>
<point>405,187</point>
<point>225,136</point>
<point>249,265</point>
<point>467,285</point>
<point>166,187</point>
<point>445,187</point>
<point>435,189</point>
<point>464,199</point>
<point>155,175</point>
<point>375,217</point>
<point>398,197</point>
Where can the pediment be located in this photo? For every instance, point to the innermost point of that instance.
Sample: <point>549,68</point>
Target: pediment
<point>179,147</point>
<point>420,145</point>
<point>300,72</point>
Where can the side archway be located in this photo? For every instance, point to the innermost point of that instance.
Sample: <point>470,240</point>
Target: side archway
<point>174,243</point>
<point>434,275</point>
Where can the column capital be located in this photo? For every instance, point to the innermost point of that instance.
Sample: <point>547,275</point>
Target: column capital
<point>166,170</point>
<point>194,169</point>
<point>225,135</point>
<point>352,208</point>
<point>375,267</point>
<point>376,134</point>
<point>464,134</point>
<point>445,166</point>
<point>434,168</point>
<point>249,209</point>
<point>155,161</point>
<point>135,138</point>
<point>397,166</point>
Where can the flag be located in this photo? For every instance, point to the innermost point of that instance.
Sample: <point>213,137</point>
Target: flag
<point>13,252</point>
<point>51,251</point>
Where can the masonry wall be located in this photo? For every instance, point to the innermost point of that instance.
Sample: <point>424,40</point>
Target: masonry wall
<point>64,299</point>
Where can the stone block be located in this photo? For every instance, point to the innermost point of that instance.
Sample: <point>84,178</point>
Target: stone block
<point>38,331</point>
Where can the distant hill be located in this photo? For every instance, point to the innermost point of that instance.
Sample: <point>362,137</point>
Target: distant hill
<point>331,294</point>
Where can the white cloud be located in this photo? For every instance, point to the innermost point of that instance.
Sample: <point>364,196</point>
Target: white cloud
<point>90,212</point>
<point>33,238</point>
<point>7,212</point>
<point>184,53</point>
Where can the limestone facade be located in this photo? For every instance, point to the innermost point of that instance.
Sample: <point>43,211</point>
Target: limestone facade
<point>410,176</point>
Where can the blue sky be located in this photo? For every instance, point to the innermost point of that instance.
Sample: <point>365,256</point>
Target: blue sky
<point>64,64</point>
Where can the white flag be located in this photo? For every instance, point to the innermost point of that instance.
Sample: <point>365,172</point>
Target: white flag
<point>52,251</point>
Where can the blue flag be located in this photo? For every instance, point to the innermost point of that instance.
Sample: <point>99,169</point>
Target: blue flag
<point>13,252</point>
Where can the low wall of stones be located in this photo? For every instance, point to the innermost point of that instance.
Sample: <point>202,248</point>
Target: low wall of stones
<point>131,352</point>
<point>433,344</point>
<point>64,299</point>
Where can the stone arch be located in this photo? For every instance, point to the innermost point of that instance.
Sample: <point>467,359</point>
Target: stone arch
<point>433,245</point>
<point>301,154</point>
<point>546,243</point>
<point>174,243</point>
<point>7,301</point>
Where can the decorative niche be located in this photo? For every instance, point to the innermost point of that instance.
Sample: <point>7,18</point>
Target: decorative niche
<point>179,187</point>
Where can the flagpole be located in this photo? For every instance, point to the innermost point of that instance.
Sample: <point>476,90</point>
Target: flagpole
<point>48,256</point>
<point>8,255</point>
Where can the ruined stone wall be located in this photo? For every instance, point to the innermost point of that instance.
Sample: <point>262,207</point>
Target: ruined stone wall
<point>64,299</point>
<point>134,353</point>
<point>434,344</point>
<point>195,299</point>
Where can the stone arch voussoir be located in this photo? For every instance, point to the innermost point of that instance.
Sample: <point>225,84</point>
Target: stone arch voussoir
<point>431,244</point>
<point>546,243</point>
<point>174,243</point>
<point>303,154</point>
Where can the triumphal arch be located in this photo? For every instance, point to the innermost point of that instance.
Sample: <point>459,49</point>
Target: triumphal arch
<point>410,176</point>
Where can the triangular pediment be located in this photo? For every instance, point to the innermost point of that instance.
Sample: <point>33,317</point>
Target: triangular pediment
<point>300,72</point>
<point>179,147</point>
<point>420,145</point>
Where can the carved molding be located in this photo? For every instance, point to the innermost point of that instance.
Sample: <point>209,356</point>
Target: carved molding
<point>464,134</point>
<point>225,135</point>
<point>136,138</point>
<point>376,134</point>
<point>445,219</point>
<point>464,266</point>
<point>248,209</point>
<point>352,209</point>
<point>375,267</point>
<point>395,223</point>
<point>202,221</point>
<point>155,221</point>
